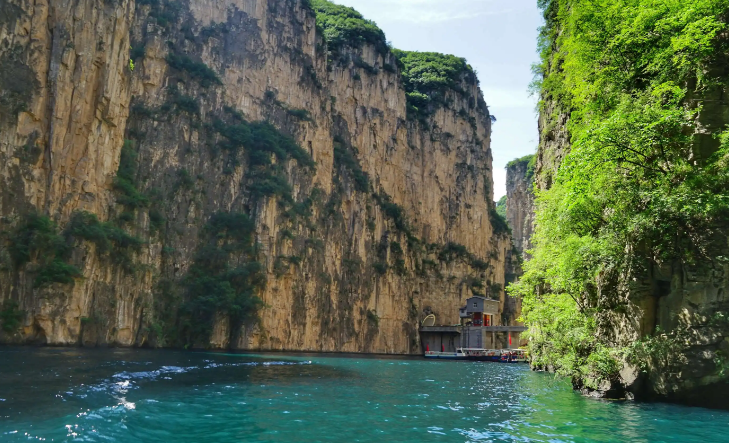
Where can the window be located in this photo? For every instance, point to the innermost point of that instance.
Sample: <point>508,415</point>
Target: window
<point>475,304</point>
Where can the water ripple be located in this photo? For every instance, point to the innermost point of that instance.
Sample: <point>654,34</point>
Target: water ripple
<point>166,397</point>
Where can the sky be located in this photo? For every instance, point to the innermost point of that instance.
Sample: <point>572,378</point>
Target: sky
<point>497,37</point>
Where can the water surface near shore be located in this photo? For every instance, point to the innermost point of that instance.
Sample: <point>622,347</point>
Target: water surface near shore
<point>145,396</point>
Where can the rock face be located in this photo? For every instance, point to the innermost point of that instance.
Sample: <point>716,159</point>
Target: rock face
<point>520,212</point>
<point>520,201</point>
<point>392,222</point>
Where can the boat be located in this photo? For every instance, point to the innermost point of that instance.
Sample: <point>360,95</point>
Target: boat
<point>521,356</point>
<point>458,355</point>
<point>479,354</point>
<point>514,356</point>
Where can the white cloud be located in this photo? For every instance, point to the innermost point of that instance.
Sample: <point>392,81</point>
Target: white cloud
<point>427,11</point>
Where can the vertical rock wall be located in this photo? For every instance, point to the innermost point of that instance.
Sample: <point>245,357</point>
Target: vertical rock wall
<point>343,272</point>
<point>520,202</point>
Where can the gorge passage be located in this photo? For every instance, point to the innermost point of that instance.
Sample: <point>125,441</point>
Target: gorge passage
<point>272,175</point>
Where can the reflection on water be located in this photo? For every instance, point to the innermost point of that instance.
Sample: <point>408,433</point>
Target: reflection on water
<point>68,395</point>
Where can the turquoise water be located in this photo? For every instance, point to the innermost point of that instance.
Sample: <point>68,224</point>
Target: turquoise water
<point>69,395</point>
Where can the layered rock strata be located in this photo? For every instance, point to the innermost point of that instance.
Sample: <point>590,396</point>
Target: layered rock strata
<point>520,202</point>
<point>161,88</point>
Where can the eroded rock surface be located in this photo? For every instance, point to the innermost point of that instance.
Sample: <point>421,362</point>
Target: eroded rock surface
<point>347,268</point>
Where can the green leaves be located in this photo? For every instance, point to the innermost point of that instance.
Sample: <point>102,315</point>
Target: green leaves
<point>197,70</point>
<point>124,182</point>
<point>640,184</point>
<point>10,317</point>
<point>428,76</point>
<point>224,277</point>
<point>343,26</point>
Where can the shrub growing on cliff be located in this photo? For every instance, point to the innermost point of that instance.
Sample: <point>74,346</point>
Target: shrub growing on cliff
<point>343,26</point>
<point>428,76</point>
<point>10,317</point>
<point>124,182</point>
<point>498,222</point>
<point>640,186</point>
<point>528,161</point>
<point>36,238</point>
<point>373,318</point>
<point>501,207</point>
<point>197,70</point>
<point>223,279</point>
<point>107,237</point>
<point>261,140</point>
<point>393,211</point>
<point>56,271</point>
<point>346,157</point>
<point>34,234</point>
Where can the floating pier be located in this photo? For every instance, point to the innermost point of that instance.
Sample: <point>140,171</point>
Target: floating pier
<point>450,338</point>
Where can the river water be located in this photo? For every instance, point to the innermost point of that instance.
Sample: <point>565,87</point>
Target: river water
<point>114,395</point>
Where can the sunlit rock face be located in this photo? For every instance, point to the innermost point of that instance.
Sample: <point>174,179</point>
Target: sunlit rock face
<point>520,203</point>
<point>343,271</point>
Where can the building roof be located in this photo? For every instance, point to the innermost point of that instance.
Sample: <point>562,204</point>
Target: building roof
<point>487,305</point>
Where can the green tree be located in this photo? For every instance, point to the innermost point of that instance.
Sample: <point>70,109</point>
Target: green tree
<point>640,185</point>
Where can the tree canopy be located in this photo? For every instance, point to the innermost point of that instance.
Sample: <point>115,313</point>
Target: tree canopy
<point>645,179</point>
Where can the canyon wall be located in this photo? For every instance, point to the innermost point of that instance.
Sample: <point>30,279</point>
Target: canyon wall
<point>520,201</point>
<point>127,129</point>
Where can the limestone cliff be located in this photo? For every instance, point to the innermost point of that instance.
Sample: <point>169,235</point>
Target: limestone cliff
<point>127,129</point>
<point>520,211</point>
<point>520,201</point>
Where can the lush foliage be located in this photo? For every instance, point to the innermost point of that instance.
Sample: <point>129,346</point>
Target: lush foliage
<point>530,161</point>
<point>501,207</point>
<point>108,238</point>
<point>197,70</point>
<point>124,183</point>
<point>639,186</point>
<point>224,277</point>
<point>10,317</point>
<point>261,140</point>
<point>36,238</point>
<point>343,26</point>
<point>428,76</point>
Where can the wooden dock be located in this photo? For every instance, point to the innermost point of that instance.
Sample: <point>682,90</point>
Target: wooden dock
<point>449,338</point>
